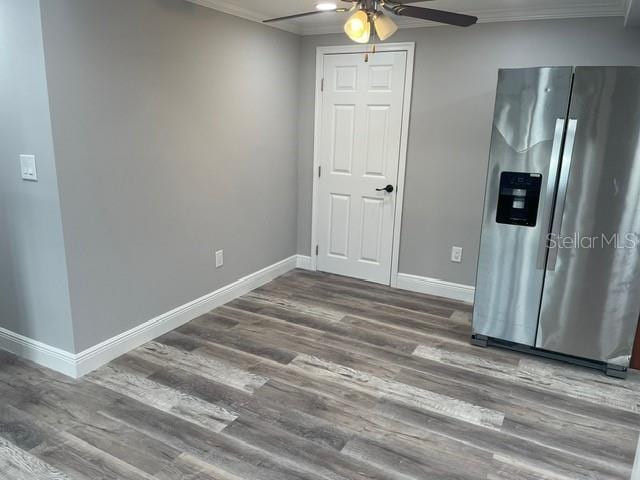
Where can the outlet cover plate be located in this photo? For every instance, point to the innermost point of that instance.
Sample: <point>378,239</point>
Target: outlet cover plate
<point>456,254</point>
<point>28,168</point>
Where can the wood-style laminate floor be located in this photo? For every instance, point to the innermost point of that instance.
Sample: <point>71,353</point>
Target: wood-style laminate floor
<point>312,377</point>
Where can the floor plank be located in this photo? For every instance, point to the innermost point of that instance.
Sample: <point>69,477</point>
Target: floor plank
<point>222,372</point>
<point>18,464</point>
<point>181,405</point>
<point>319,377</point>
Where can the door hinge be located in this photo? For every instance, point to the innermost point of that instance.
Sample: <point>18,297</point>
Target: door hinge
<point>322,85</point>
<point>317,250</point>
<point>319,171</point>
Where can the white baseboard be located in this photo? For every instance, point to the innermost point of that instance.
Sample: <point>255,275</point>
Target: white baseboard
<point>433,286</point>
<point>77,365</point>
<point>304,262</point>
<point>38,352</point>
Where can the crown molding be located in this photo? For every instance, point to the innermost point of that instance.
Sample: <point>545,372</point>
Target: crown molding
<point>604,8</point>
<point>225,7</point>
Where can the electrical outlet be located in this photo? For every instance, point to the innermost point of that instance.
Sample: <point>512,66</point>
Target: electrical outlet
<point>28,168</point>
<point>219,258</point>
<point>456,254</point>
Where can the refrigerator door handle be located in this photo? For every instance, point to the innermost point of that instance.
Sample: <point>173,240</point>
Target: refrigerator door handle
<point>556,151</point>
<point>565,169</point>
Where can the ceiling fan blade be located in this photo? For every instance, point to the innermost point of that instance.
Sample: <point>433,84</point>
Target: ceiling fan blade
<point>440,16</point>
<point>306,14</point>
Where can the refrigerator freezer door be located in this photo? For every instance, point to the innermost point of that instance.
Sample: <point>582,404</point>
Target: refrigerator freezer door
<point>591,295</point>
<point>528,128</point>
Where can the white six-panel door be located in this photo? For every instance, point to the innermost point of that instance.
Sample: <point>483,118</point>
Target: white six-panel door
<point>358,153</point>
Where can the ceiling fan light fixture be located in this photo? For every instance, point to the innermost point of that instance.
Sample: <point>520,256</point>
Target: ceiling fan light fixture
<point>326,6</point>
<point>358,27</point>
<point>385,27</point>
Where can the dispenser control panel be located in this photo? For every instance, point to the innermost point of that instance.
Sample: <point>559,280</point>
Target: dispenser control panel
<point>519,198</point>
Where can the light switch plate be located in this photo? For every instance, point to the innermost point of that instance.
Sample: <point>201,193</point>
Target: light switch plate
<point>28,168</point>
<point>456,254</point>
<point>219,258</point>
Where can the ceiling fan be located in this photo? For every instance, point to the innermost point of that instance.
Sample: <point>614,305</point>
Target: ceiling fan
<point>369,15</point>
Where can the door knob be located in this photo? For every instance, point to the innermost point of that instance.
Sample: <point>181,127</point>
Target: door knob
<point>388,189</point>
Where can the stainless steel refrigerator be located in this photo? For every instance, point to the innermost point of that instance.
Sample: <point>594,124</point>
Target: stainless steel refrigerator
<point>559,263</point>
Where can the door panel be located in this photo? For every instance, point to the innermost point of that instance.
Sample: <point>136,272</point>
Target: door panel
<point>339,225</point>
<point>359,152</point>
<point>529,122</point>
<point>591,295</point>
<point>343,127</point>
<point>346,78</point>
<point>380,77</point>
<point>372,223</point>
<point>377,128</point>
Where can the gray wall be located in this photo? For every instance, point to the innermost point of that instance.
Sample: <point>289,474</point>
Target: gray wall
<point>179,130</point>
<point>452,109</point>
<point>175,131</point>
<point>34,296</point>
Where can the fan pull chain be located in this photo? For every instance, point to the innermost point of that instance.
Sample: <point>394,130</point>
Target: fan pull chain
<point>366,55</point>
<point>373,51</point>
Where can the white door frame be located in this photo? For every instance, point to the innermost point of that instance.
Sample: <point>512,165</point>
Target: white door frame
<point>408,47</point>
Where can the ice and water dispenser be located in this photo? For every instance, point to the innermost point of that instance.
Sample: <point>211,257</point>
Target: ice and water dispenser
<point>519,198</point>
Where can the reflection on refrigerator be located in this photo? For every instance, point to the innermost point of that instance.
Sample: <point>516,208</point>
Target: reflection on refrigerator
<point>564,167</point>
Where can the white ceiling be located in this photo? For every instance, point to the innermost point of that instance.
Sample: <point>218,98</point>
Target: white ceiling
<point>486,10</point>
